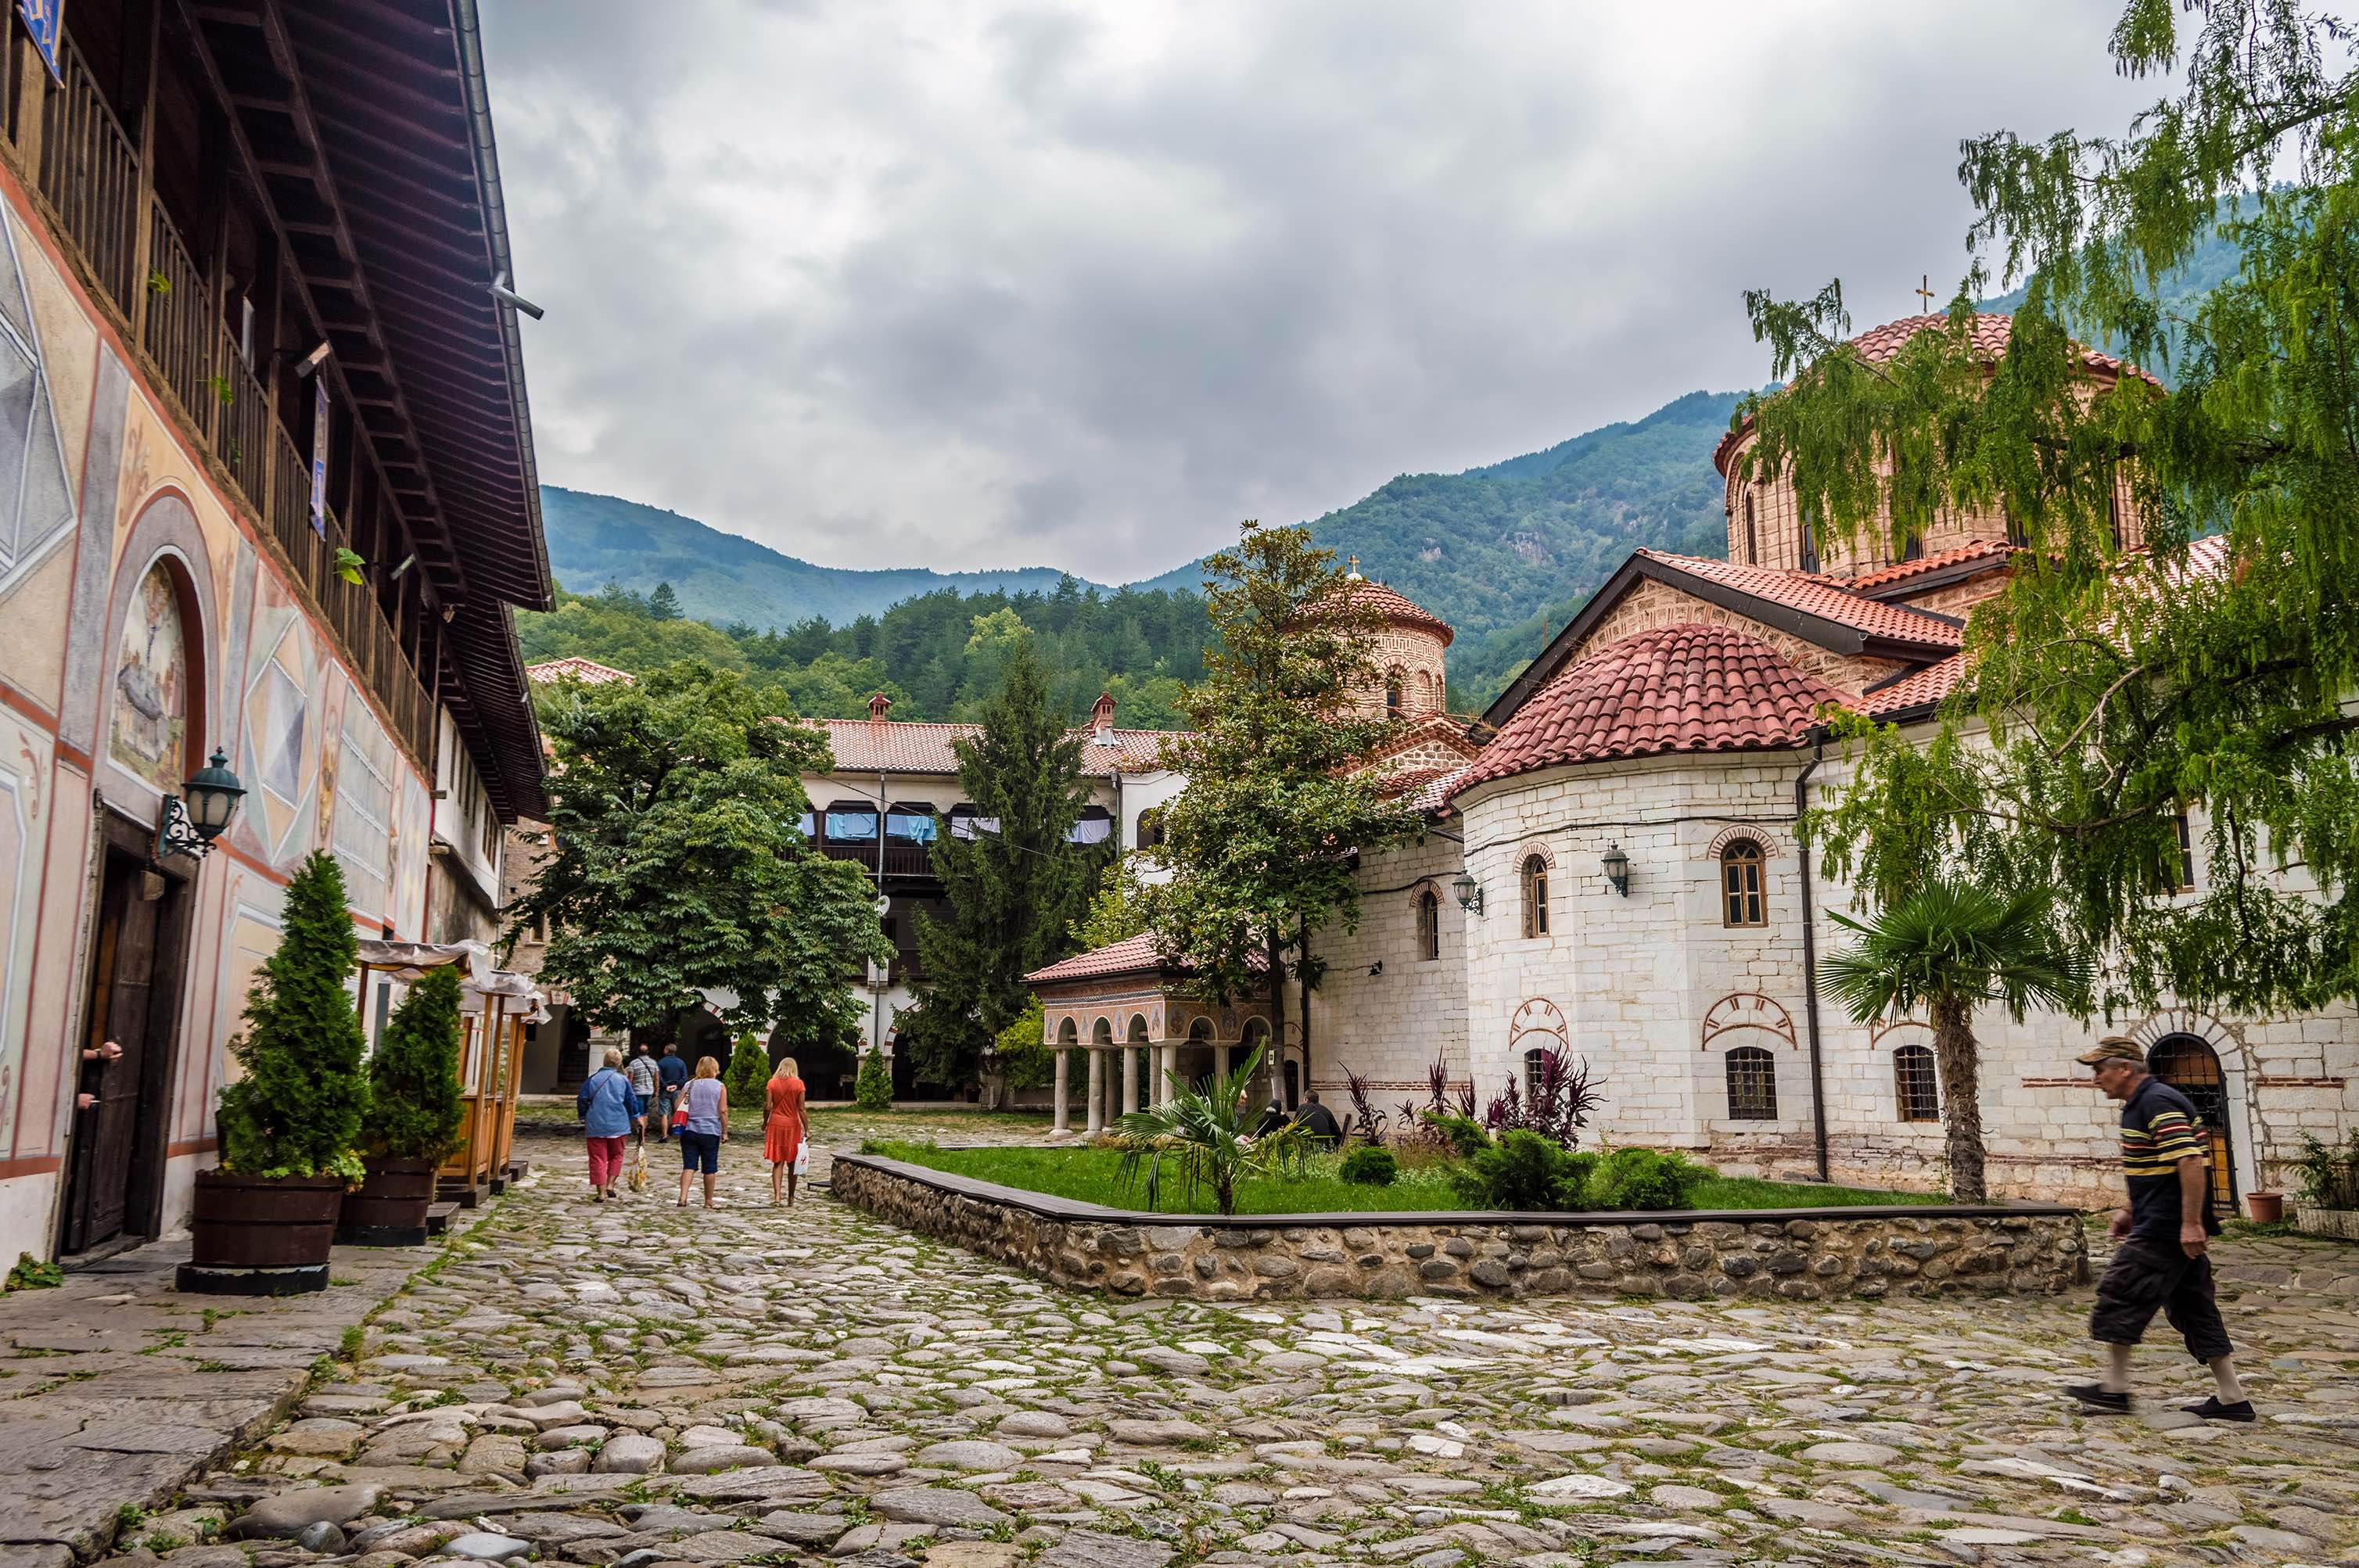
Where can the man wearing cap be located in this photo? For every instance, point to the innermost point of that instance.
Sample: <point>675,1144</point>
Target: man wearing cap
<point>2162,1260</point>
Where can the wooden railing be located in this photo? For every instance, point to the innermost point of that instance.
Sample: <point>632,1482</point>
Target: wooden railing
<point>900,859</point>
<point>90,172</point>
<point>174,329</point>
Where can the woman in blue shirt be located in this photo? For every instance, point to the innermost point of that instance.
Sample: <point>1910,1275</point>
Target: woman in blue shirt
<point>609,1108</point>
<point>704,1104</point>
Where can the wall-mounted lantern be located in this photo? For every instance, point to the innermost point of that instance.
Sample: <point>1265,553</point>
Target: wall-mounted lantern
<point>1469,891</point>
<point>1617,869</point>
<point>214,794</point>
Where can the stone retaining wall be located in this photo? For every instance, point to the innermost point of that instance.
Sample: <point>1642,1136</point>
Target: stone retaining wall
<point>1799,1255</point>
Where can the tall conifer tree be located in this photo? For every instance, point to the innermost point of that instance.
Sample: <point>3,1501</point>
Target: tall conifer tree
<point>297,1109</point>
<point>1013,889</point>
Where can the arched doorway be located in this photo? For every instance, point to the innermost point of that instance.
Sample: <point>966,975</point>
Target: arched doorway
<point>1195,1065</point>
<point>2192,1067</point>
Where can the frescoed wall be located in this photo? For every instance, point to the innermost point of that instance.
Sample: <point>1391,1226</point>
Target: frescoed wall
<point>144,623</point>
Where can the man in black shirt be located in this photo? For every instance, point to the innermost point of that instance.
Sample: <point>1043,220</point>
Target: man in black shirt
<point>1319,1121</point>
<point>2162,1259</point>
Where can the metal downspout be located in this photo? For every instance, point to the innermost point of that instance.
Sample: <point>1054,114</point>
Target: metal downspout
<point>1811,953</point>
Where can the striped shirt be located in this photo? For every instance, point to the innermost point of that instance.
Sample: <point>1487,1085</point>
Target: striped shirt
<point>2160,1128</point>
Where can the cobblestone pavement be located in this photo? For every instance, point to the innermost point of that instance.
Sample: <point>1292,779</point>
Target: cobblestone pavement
<point>634,1384</point>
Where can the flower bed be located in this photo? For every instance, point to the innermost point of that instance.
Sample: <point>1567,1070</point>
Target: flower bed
<point>1792,1253</point>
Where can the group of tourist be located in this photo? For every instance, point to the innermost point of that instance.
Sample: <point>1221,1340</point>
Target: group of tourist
<point>657,1096</point>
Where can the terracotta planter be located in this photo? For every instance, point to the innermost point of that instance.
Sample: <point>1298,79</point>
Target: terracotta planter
<point>261,1236</point>
<point>2266,1208</point>
<point>388,1208</point>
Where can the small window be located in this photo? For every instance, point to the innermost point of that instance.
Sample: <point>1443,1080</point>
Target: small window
<point>1809,546</point>
<point>1533,1061</point>
<point>2113,508</point>
<point>1393,695</point>
<point>1751,538</point>
<point>1740,885</point>
<point>2186,854</point>
<point>1752,1084</point>
<point>1915,549</point>
<point>1150,828</point>
<point>1536,913</point>
<point>1915,1085</point>
<point>1429,925</point>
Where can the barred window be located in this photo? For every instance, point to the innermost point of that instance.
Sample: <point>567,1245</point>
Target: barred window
<point>1752,1084</point>
<point>1429,925</point>
<point>1536,913</point>
<point>1740,882</point>
<point>1532,1061</point>
<point>1916,1085</point>
<point>2186,854</point>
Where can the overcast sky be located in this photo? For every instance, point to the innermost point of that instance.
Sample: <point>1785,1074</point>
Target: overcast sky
<point>882,283</point>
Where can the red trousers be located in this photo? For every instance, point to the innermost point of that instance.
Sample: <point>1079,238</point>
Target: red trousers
<point>606,1158</point>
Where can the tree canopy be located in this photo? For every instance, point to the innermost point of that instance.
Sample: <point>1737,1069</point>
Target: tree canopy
<point>679,867</point>
<point>2116,692</point>
<point>1262,844</point>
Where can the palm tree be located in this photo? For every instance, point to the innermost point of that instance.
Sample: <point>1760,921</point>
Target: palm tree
<point>1947,948</point>
<point>1208,1134</point>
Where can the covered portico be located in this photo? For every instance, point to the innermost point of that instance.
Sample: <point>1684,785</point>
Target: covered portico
<point>1131,1014</point>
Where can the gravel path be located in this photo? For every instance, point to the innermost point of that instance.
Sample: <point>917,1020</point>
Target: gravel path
<point>634,1384</point>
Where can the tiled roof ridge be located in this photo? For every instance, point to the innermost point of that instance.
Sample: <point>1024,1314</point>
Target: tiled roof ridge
<point>1813,593</point>
<point>1901,570</point>
<point>1132,955</point>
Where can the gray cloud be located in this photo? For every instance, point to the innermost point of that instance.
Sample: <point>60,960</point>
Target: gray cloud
<point>985,284</point>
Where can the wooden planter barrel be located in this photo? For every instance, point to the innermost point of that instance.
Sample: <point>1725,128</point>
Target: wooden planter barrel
<point>388,1208</point>
<point>261,1236</point>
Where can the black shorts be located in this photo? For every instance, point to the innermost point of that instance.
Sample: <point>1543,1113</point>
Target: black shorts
<point>2145,1276</point>
<point>699,1151</point>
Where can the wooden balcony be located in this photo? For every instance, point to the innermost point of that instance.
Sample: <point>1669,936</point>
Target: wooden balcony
<point>911,861</point>
<point>91,175</point>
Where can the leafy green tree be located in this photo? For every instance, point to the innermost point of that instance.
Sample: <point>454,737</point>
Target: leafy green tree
<point>2120,689</point>
<point>415,1108</point>
<point>1116,912</point>
<point>297,1109</point>
<point>679,868</point>
<point>1021,1054</point>
<point>747,1076</point>
<point>872,1090</point>
<point>663,604</point>
<point>1261,843</point>
<point>1945,950</point>
<point>1208,1135</point>
<point>1013,890</point>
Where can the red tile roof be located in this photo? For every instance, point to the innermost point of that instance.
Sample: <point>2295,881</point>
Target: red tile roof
<point>589,672</point>
<point>1674,689</point>
<point>1819,596</point>
<point>1132,955</point>
<point>1400,611</point>
<point>1991,550</point>
<point>1917,690</point>
<point>899,745</point>
<point>1987,335</point>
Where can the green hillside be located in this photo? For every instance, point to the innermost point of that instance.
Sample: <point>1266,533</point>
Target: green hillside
<point>597,539</point>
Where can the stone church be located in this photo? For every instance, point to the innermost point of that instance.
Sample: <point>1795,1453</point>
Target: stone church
<point>1614,871</point>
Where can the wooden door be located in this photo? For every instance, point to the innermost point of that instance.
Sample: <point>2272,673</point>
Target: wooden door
<point>2192,1068</point>
<point>114,1181</point>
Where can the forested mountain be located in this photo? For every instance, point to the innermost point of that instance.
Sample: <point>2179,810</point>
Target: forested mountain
<point>597,539</point>
<point>938,656</point>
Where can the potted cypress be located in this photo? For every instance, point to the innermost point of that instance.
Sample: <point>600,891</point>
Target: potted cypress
<point>414,1112</point>
<point>266,1219</point>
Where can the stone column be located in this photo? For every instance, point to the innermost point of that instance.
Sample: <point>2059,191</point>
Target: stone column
<point>1097,1091</point>
<point>1064,1122</point>
<point>1220,1063</point>
<point>1130,1101</point>
<point>1167,1063</point>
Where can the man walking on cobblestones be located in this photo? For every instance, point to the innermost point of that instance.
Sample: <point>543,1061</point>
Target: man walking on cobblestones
<point>2162,1259</point>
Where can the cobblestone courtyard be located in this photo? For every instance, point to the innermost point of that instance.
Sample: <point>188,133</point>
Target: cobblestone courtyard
<point>637,1384</point>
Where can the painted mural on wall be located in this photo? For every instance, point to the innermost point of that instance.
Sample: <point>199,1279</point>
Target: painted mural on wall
<point>149,736</point>
<point>36,509</point>
<point>282,735</point>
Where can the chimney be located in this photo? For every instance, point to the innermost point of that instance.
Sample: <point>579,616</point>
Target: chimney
<point>876,706</point>
<point>1101,715</point>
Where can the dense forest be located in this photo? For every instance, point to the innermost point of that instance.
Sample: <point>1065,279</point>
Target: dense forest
<point>938,656</point>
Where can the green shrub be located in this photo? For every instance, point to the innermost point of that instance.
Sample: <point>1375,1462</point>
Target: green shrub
<point>415,1108</point>
<point>747,1076</point>
<point>872,1090</point>
<point>1369,1166</point>
<point>1521,1171</point>
<point>1464,1135</point>
<point>1578,1168</point>
<point>1645,1179</point>
<point>297,1109</point>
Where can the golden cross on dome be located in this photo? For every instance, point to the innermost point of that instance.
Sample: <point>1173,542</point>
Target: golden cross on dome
<point>1355,566</point>
<point>1925,291</point>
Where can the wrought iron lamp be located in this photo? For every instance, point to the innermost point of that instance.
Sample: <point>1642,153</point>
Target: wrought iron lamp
<point>214,794</point>
<point>1469,891</point>
<point>1617,869</point>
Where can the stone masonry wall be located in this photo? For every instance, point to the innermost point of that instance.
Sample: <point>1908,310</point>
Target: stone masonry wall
<point>1653,604</point>
<point>1866,1253</point>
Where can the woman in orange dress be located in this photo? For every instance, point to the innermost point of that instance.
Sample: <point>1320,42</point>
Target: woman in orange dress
<point>784,1143</point>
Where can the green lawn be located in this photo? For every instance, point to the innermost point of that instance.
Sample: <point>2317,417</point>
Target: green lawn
<point>1094,1176</point>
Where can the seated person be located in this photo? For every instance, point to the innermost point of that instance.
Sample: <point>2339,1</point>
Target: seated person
<point>1320,1121</point>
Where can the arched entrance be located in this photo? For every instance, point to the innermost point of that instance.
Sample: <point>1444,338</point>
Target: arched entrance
<point>1195,1057</point>
<point>2192,1067</point>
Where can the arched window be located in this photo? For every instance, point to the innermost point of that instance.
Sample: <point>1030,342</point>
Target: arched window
<point>1916,1086</point>
<point>1752,1084</point>
<point>1740,885</point>
<point>1068,1036</point>
<point>1392,693</point>
<point>2191,1066</point>
<point>1150,828</point>
<point>1536,913</point>
<point>1752,535</point>
<point>1429,925</point>
<point>1532,1061</point>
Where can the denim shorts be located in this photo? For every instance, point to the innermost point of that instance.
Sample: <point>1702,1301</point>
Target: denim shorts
<point>699,1151</point>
